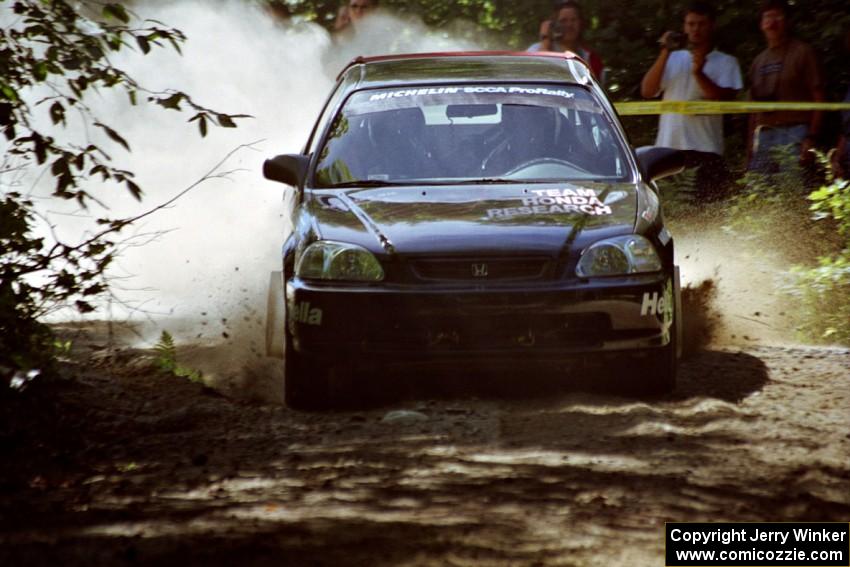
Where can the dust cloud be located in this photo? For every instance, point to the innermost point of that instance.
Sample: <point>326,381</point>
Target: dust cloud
<point>731,287</point>
<point>200,268</point>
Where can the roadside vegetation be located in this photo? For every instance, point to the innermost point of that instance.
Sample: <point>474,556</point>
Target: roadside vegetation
<point>800,217</point>
<point>166,359</point>
<point>805,216</point>
<point>54,56</point>
<point>824,289</point>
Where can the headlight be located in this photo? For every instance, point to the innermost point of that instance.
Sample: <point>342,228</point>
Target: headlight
<point>328,260</point>
<point>630,254</point>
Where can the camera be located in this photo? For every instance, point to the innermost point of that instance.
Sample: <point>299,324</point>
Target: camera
<point>674,40</point>
<point>556,33</point>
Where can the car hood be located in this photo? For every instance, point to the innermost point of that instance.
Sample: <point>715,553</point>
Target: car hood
<point>524,218</point>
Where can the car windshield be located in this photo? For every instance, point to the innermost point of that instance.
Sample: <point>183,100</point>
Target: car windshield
<point>470,133</point>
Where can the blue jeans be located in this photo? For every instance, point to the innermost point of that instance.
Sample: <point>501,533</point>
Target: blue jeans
<point>768,137</point>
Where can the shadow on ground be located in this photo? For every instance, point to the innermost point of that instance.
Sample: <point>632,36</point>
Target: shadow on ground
<point>727,376</point>
<point>130,469</point>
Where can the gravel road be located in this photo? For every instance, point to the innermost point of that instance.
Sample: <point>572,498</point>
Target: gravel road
<point>129,466</point>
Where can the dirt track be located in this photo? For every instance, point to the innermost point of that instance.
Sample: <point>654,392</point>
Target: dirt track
<point>133,467</point>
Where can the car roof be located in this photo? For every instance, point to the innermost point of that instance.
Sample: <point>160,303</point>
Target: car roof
<point>468,67</point>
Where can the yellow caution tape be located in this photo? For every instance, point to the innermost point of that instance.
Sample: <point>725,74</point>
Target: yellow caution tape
<point>716,107</point>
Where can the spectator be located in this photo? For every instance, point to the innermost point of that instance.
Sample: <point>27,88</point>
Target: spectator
<point>571,21</point>
<point>342,20</point>
<point>787,70</point>
<point>700,72</point>
<point>841,155</point>
<point>565,34</point>
<point>544,43</point>
<point>357,9</point>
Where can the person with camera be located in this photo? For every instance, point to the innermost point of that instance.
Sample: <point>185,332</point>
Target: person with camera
<point>563,32</point>
<point>695,71</point>
<point>788,70</point>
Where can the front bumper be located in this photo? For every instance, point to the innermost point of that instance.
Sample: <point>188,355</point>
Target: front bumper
<point>555,319</point>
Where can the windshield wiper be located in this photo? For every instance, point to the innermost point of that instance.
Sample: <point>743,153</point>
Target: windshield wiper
<point>368,183</point>
<point>485,181</point>
<point>522,181</point>
<point>427,182</point>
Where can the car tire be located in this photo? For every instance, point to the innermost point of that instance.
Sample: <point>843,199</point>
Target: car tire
<point>306,384</point>
<point>660,372</point>
<point>275,316</point>
<point>661,369</point>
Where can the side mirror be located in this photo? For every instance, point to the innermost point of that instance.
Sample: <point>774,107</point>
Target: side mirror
<point>658,162</point>
<point>289,168</point>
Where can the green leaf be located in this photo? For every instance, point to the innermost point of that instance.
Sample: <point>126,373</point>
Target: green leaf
<point>166,352</point>
<point>102,170</point>
<point>39,71</point>
<point>144,44</point>
<point>57,113</point>
<point>116,11</point>
<point>40,149</point>
<point>84,306</point>
<point>94,289</point>
<point>115,43</point>
<point>9,93</point>
<point>60,167</point>
<point>175,44</point>
<point>225,121</point>
<point>172,102</point>
<point>135,190</point>
<point>113,135</point>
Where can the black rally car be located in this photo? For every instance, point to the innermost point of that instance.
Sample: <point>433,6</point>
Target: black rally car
<point>472,207</point>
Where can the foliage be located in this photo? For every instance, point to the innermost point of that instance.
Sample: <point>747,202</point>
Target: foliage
<point>817,226</point>
<point>679,193</point>
<point>53,54</point>
<point>824,291</point>
<point>766,202</point>
<point>833,201</point>
<point>166,359</point>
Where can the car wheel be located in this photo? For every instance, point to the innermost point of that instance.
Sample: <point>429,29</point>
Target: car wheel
<point>306,383</point>
<point>661,369</point>
<point>275,316</point>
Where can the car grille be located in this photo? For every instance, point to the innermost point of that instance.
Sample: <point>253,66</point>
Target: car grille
<point>480,269</point>
<point>493,332</point>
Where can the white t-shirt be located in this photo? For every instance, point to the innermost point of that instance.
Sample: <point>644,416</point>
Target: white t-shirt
<point>703,133</point>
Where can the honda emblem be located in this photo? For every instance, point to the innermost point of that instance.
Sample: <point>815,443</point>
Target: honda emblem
<point>479,270</point>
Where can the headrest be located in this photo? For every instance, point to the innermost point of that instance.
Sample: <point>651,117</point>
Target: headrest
<point>401,121</point>
<point>528,119</point>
